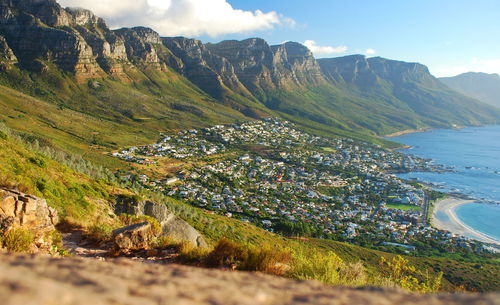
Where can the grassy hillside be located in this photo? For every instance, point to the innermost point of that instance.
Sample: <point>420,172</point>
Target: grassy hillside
<point>81,191</point>
<point>101,115</point>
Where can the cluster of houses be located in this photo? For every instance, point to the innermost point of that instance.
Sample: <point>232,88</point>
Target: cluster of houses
<point>270,172</point>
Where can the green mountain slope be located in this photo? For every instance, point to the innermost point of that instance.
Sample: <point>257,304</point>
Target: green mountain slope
<point>415,97</point>
<point>481,86</point>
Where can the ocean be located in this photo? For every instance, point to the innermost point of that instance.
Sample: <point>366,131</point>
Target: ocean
<point>474,153</point>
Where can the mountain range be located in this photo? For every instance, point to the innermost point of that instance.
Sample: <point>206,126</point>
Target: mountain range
<point>482,86</point>
<point>138,83</point>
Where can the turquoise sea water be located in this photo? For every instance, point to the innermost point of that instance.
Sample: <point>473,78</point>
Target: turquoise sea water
<point>475,155</point>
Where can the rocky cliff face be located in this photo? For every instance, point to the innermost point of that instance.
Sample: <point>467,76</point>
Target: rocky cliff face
<point>144,48</point>
<point>214,74</point>
<point>261,67</point>
<point>75,40</point>
<point>365,72</point>
<point>252,60</point>
<point>38,31</point>
<point>294,62</point>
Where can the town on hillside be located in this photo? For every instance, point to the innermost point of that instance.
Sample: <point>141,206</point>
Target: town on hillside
<point>288,181</point>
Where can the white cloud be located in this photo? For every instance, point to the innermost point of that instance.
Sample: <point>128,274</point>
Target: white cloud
<point>370,51</point>
<point>182,17</point>
<point>491,65</point>
<point>323,50</point>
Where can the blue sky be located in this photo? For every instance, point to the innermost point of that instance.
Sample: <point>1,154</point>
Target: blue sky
<point>450,36</point>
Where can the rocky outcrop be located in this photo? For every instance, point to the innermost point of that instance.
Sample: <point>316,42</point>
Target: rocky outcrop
<point>7,56</point>
<point>18,210</point>
<point>41,280</point>
<point>108,49</point>
<point>172,226</point>
<point>134,237</point>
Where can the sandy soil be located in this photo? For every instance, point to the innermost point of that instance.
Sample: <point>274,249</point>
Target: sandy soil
<point>38,280</point>
<point>453,223</point>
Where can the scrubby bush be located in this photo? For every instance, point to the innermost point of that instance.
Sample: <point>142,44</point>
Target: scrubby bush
<point>18,240</point>
<point>328,268</point>
<point>408,277</point>
<point>191,254</point>
<point>353,274</point>
<point>9,184</point>
<point>37,161</point>
<point>99,233</point>
<point>164,242</point>
<point>226,253</point>
<point>3,135</point>
<point>266,259</point>
<point>318,266</point>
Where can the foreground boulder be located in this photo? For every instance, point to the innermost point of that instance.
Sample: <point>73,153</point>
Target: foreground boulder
<point>172,226</point>
<point>32,280</point>
<point>19,210</point>
<point>134,237</point>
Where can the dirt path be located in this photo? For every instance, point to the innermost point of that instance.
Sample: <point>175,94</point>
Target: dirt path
<point>75,243</point>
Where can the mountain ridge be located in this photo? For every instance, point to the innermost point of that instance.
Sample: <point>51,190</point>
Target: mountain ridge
<point>482,86</point>
<point>58,51</point>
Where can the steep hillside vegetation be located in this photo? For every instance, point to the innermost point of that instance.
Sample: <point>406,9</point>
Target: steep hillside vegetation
<point>481,86</point>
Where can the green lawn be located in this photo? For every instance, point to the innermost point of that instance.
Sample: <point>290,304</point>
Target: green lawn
<point>404,207</point>
<point>329,149</point>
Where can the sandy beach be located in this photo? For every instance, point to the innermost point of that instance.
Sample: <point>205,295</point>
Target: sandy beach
<point>452,223</point>
<point>403,132</point>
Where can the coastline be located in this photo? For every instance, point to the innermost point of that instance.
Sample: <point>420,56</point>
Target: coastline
<point>453,224</point>
<point>403,132</point>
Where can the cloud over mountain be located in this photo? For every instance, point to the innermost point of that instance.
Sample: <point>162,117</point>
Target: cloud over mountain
<point>489,65</point>
<point>323,50</point>
<point>182,17</point>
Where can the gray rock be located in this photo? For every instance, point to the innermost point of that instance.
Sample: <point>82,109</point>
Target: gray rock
<point>172,226</point>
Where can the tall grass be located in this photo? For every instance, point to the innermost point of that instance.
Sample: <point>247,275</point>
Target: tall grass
<point>18,240</point>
